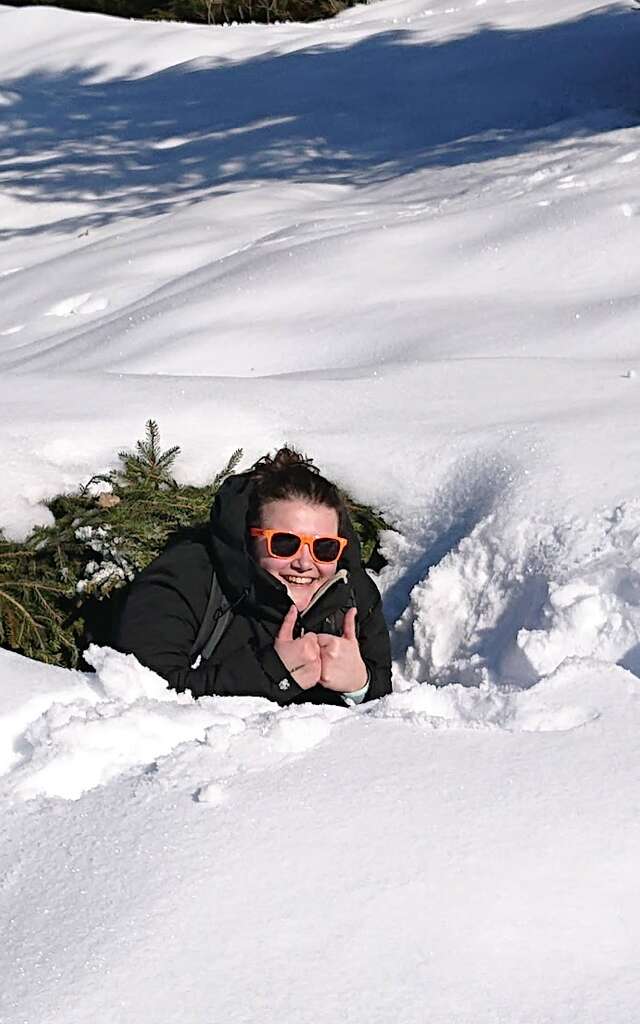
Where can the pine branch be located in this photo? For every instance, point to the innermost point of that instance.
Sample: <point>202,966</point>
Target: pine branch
<point>149,466</point>
<point>25,617</point>
<point>228,469</point>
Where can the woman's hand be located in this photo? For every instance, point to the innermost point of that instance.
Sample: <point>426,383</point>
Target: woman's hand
<point>300,657</point>
<point>343,669</point>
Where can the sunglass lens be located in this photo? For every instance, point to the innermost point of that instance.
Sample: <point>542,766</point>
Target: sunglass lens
<point>284,545</point>
<point>326,549</point>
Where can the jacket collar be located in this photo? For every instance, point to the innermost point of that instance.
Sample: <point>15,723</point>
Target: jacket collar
<point>340,577</point>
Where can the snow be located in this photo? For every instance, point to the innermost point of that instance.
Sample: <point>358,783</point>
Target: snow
<point>406,240</point>
<point>450,848</point>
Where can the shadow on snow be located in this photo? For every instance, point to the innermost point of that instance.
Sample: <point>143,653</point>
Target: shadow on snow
<point>356,115</point>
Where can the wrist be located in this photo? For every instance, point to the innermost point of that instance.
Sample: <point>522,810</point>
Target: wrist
<point>357,696</point>
<point>359,682</point>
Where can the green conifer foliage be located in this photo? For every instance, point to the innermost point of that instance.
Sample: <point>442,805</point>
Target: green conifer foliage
<point>101,536</point>
<point>208,12</point>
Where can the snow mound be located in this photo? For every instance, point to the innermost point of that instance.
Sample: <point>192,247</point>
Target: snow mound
<point>514,598</point>
<point>126,721</point>
<point>559,703</point>
<point>66,741</point>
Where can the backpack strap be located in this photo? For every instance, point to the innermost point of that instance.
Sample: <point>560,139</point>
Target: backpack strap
<point>214,624</point>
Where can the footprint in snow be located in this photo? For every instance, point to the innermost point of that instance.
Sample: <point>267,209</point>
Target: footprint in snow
<point>84,304</point>
<point>628,158</point>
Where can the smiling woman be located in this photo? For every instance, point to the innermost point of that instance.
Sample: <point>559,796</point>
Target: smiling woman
<point>303,620</point>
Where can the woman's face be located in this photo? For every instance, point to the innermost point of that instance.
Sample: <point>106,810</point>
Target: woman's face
<point>300,574</point>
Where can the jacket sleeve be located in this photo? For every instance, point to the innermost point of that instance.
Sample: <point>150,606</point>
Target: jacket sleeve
<point>373,637</point>
<point>159,624</point>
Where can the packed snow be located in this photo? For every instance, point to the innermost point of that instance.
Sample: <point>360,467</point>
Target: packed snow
<point>405,240</point>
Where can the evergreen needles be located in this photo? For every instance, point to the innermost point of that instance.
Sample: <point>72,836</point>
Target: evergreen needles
<point>54,584</point>
<point>210,12</point>
<point>149,466</point>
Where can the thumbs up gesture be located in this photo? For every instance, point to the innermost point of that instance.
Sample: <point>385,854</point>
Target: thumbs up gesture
<point>300,657</point>
<point>343,669</point>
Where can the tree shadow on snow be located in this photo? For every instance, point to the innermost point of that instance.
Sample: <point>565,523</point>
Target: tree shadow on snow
<point>356,115</point>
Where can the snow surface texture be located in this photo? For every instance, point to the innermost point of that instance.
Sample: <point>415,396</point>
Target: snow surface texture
<point>406,240</point>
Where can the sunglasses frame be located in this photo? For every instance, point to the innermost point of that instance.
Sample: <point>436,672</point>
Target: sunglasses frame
<point>304,538</point>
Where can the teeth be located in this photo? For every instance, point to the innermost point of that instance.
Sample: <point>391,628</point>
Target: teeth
<point>298,579</point>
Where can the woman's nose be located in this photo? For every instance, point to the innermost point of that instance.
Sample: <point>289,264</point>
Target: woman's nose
<point>303,559</point>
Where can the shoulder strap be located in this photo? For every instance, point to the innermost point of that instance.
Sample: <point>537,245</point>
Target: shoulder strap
<point>214,623</point>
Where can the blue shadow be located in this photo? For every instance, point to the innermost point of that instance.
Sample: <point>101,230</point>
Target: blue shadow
<point>356,115</point>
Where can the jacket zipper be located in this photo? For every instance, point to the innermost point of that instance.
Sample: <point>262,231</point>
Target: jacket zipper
<point>342,574</point>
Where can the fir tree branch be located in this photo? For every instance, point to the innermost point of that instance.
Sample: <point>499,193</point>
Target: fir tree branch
<point>25,615</point>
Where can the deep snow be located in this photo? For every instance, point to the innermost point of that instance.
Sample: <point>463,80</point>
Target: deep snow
<point>406,240</point>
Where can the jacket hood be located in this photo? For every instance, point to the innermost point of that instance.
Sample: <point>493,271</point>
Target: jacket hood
<point>238,572</point>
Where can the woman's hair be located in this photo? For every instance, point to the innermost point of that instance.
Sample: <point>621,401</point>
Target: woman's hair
<point>289,475</point>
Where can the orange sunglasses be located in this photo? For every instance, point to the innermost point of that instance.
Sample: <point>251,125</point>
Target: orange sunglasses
<point>283,544</point>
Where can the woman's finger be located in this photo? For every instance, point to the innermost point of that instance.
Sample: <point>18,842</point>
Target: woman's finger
<point>307,675</point>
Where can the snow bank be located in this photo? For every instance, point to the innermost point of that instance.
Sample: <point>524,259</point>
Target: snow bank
<point>64,742</point>
<point>480,845</point>
<point>517,597</point>
<point>68,740</point>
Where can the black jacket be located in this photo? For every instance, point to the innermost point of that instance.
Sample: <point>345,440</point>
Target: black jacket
<point>167,603</point>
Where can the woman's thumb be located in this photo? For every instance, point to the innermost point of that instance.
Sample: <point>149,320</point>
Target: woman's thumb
<point>349,625</point>
<point>286,629</point>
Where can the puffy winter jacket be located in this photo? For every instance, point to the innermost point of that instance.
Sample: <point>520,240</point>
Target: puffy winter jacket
<point>167,603</point>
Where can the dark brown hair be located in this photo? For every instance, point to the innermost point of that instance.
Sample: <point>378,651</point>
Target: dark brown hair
<point>289,475</point>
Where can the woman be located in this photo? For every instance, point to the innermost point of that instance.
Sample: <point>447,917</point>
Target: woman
<point>306,621</point>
